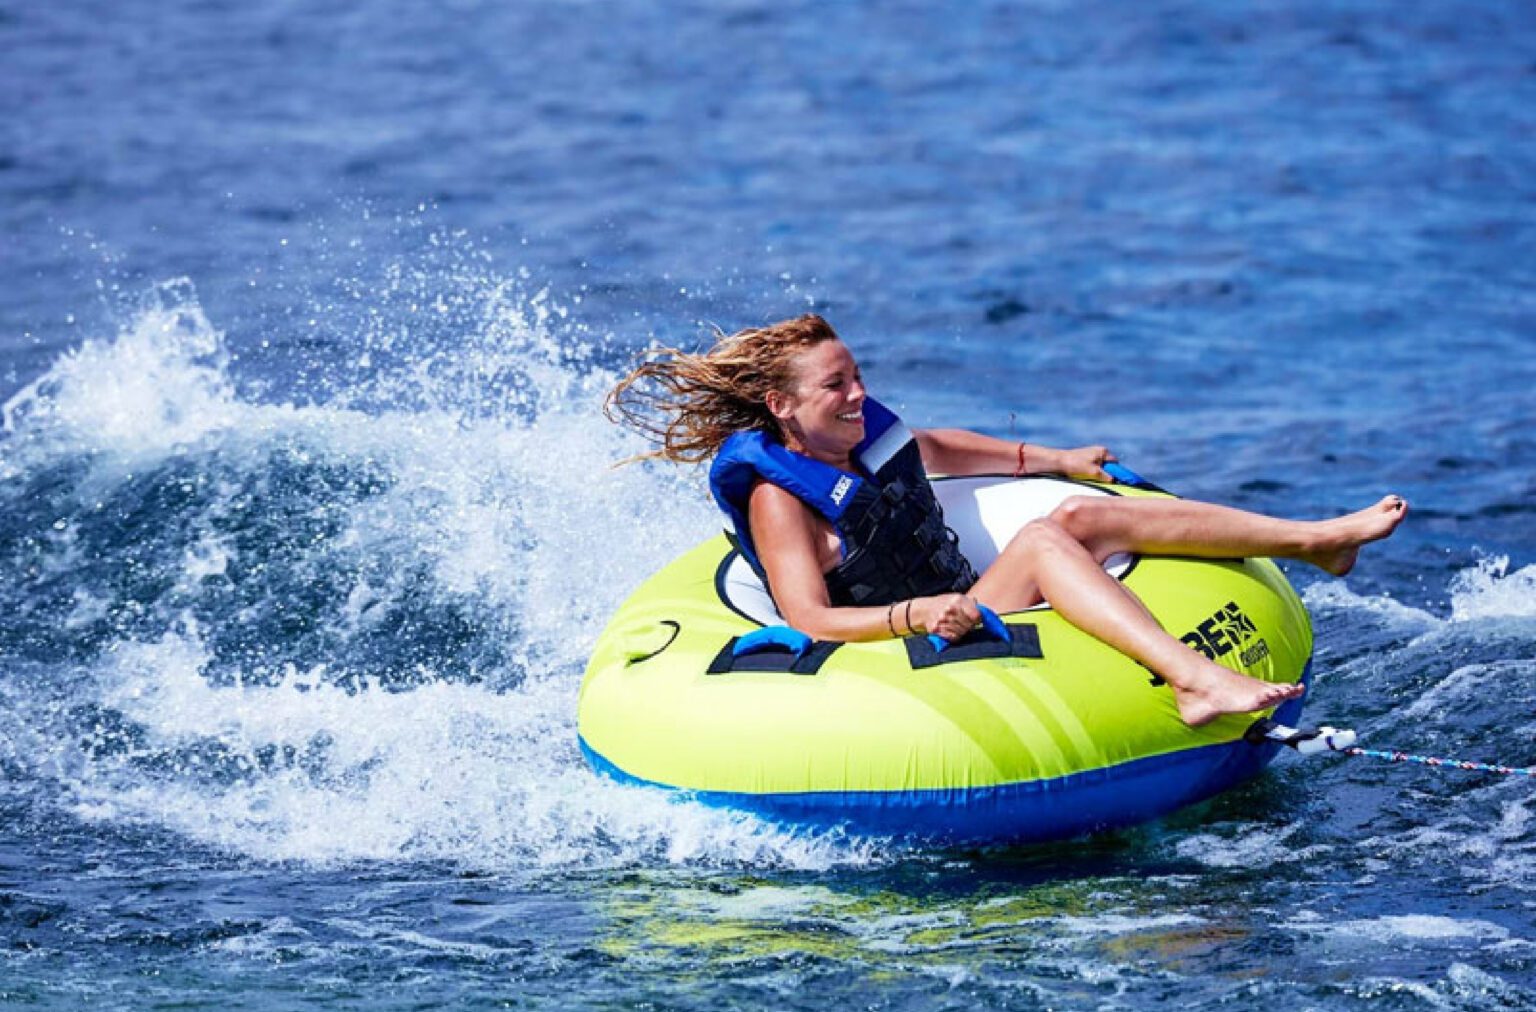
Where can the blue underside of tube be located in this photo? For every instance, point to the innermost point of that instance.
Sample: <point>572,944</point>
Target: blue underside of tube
<point>1031,811</point>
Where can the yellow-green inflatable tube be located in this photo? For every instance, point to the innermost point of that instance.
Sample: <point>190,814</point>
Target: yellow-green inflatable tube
<point>1049,735</point>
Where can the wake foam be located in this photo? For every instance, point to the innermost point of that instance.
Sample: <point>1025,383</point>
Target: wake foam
<point>310,771</point>
<point>351,629</point>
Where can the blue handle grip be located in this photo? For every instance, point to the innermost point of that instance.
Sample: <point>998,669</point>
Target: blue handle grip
<point>769,637</point>
<point>990,622</point>
<point>1123,474</point>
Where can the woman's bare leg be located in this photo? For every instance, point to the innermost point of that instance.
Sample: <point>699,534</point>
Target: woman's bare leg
<point>1106,525</point>
<point>1045,562</point>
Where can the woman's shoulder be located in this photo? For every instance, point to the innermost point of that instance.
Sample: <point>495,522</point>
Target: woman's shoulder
<point>783,527</point>
<point>767,495</point>
<point>772,504</point>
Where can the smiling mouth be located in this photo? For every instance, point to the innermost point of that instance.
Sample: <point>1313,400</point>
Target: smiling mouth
<point>851,416</point>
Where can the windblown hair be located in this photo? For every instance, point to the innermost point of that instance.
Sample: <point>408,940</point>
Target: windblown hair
<point>689,404</point>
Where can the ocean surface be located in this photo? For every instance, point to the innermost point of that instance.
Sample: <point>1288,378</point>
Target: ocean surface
<point>307,519</point>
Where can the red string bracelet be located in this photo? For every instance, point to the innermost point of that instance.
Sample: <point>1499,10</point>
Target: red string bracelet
<point>1018,472</point>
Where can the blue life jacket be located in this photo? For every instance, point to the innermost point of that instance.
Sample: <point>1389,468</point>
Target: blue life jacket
<point>891,528</point>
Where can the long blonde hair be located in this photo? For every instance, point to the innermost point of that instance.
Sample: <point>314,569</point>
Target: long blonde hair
<point>689,404</point>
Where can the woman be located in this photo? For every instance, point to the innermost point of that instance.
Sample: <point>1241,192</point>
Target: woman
<point>783,408</point>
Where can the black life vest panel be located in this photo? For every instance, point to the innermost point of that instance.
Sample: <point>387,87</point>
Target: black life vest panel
<point>891,528</point>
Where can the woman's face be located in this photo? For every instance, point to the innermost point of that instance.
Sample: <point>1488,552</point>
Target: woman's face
<point>824,412</point>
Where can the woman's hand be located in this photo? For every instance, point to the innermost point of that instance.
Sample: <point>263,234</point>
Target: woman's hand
<point>1084,462</point>
<point>949,615</point>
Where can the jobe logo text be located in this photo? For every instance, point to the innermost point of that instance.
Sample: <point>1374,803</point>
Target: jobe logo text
<point>1227,630</point>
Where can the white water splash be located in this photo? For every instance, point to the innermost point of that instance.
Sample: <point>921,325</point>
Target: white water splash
<point>1337,596</point>
<point>1486,590</point>
<point>521,512</point>
<point>445,771</point>
<point>159,383</point>
<point>1490,590</point>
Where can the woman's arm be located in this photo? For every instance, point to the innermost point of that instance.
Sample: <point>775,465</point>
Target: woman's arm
<point>960,451</point>
<point>786,534</point>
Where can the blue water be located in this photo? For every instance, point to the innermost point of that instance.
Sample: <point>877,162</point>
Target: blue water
<point>307,523</point>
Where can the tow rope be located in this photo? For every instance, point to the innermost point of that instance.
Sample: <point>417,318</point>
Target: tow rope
<point>1312,740</point>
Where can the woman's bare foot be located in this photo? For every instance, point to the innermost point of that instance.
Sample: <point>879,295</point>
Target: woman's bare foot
<point>1338,543</point>
<point>1206,690</point>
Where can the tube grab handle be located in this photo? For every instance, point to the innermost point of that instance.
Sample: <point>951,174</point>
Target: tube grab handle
<point>771,637</point>
<point>990,623</point>
<point>1122,474</point>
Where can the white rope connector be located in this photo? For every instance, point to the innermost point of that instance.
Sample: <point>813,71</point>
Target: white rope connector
<point>1306,741</point>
